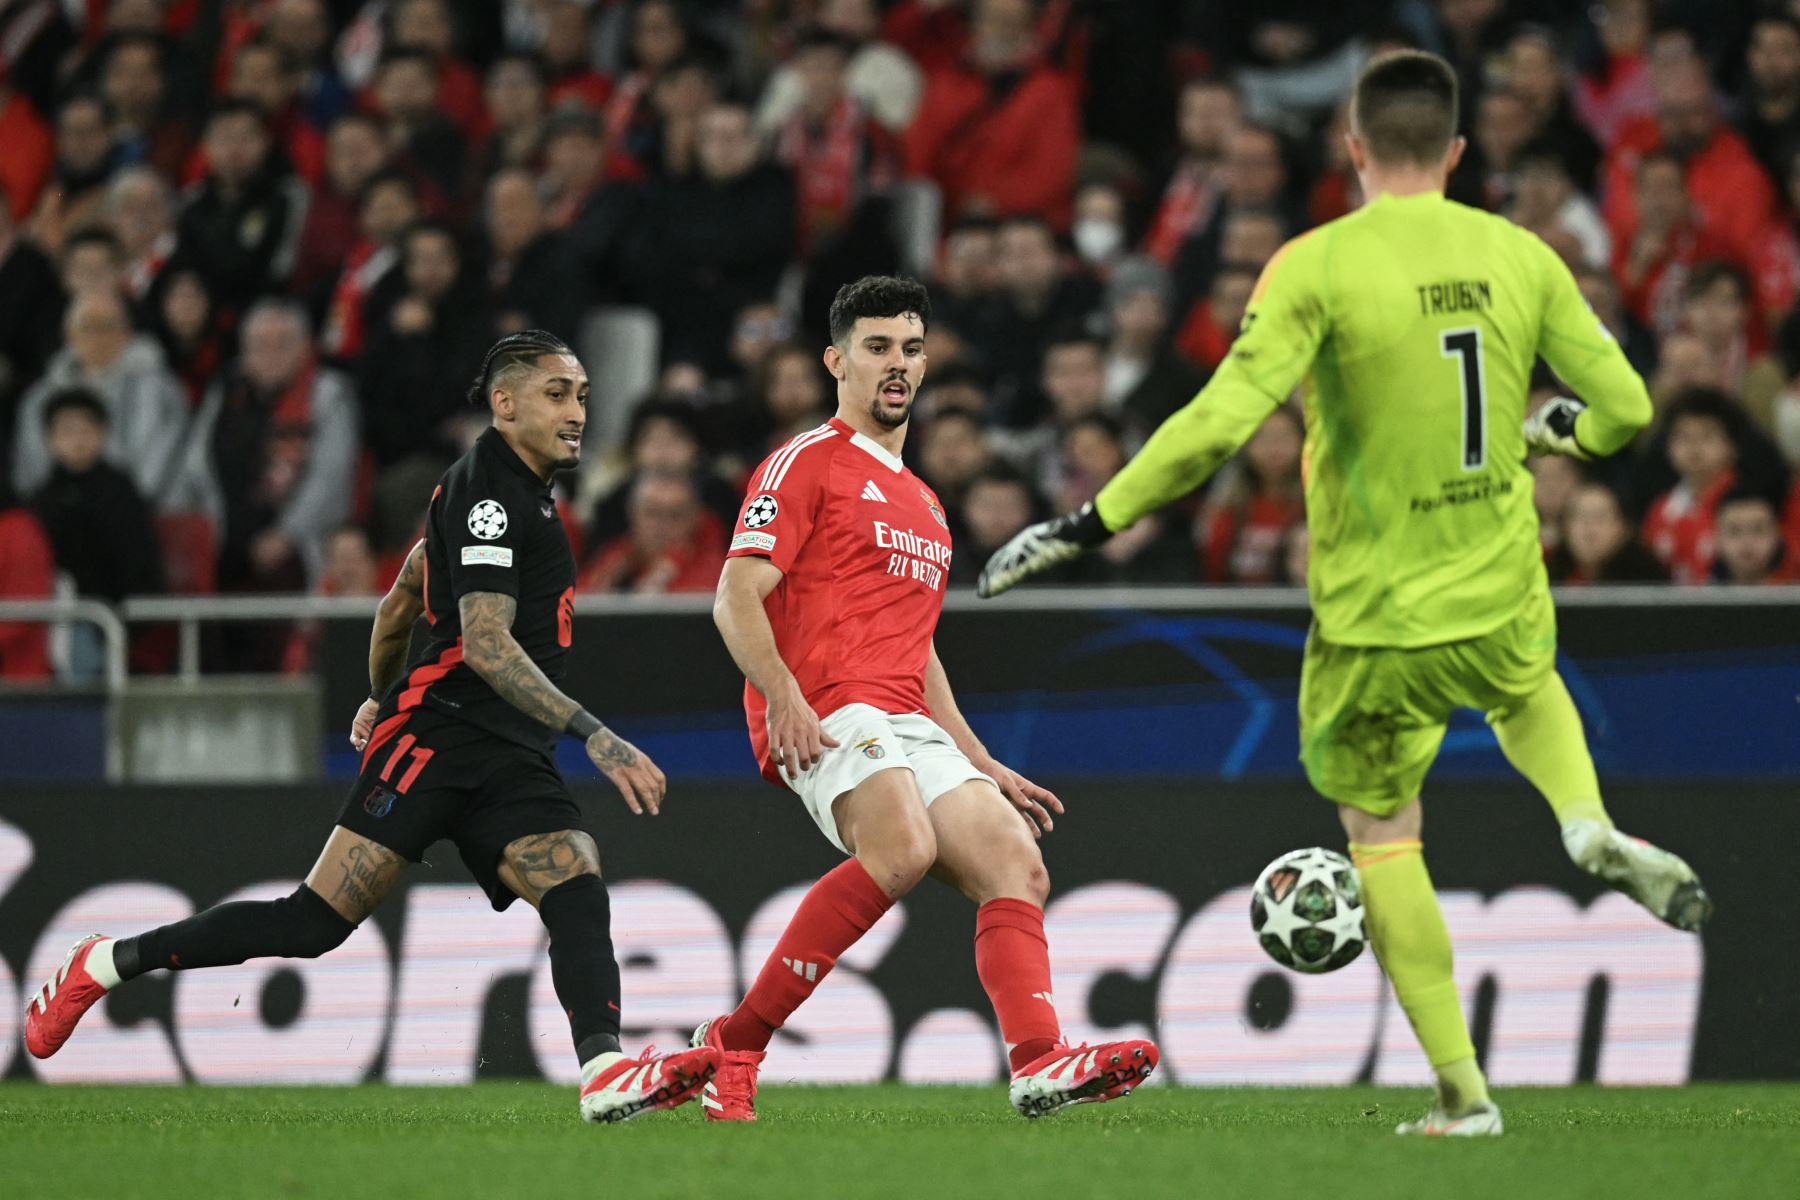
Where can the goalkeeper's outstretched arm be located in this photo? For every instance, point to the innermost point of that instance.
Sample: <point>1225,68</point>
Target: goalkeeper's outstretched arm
<point>1613,404</point>
<point>1283,326</point>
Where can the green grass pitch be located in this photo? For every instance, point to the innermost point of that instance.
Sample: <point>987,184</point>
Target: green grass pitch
<point>503,1139</point>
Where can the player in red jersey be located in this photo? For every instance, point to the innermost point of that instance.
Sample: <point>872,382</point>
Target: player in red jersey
<point>828,602</point>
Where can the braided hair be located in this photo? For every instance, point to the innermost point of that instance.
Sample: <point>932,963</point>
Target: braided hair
<point>511,352</point>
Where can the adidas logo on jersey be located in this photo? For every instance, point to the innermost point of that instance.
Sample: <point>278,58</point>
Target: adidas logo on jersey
<point>871,492</point>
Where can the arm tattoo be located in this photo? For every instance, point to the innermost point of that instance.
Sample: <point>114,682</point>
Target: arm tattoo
<point>494,654</point>
<point>610,751</point>
<point>394,621</point>
<point>544,860</point>
<point>411,579</point>
<point>368,872</point>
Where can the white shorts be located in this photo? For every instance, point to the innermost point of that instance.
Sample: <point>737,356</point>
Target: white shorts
<point>870,740</point>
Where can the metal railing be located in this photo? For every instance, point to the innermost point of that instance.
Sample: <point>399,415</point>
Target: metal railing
<point>92,612</point>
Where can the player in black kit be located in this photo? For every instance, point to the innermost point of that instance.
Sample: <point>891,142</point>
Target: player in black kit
<point>458,747</point>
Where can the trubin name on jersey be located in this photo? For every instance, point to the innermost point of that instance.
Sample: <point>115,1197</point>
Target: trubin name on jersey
<point>1454,296</point>
<point>921,558</point>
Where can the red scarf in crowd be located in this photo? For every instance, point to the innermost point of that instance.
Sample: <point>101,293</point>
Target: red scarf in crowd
<point>344,332</point>
<point>825,169</point>
<point>1187,205</point>
<point>140,275</point>
<point>290,437</point>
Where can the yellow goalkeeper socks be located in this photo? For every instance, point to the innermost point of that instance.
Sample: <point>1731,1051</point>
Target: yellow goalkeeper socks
<point>1543,740</point>
<point>1406,929</point>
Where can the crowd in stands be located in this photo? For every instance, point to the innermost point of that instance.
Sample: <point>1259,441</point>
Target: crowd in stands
<point>251,253</point>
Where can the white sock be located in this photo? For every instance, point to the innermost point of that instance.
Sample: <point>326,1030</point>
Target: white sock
<point>100,964</point>
<point>595,1065</point>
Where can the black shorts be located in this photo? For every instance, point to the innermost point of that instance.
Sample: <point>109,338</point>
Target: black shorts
<point>432,777</point>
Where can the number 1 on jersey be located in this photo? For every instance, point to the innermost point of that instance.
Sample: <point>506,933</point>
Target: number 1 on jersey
<point>1466,345</point>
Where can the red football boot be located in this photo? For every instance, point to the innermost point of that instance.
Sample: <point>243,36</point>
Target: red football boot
<point>631,1087</point>
<point>730,1095</point>
<point>1081,1075</point>
<point>58,1006</point>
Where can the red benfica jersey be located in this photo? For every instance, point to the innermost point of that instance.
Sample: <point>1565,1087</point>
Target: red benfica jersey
<point>864,551</point>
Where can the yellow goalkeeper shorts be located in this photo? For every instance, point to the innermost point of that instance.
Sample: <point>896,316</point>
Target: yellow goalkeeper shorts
<point>1372,717</point>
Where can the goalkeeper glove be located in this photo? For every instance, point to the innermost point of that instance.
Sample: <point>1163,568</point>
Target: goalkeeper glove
<point>1039,547</point>
<point>1551,429</point>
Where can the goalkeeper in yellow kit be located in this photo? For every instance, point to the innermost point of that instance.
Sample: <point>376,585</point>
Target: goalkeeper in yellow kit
<point>1412,326</point>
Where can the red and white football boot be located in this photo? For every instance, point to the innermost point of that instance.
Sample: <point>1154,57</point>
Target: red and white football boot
<point>59,1005</point>
<point>1081,1075</point>
<point>630,1087</point>
<point>730,1095</point>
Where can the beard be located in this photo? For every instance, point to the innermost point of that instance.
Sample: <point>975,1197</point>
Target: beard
<point>885,416</point>
<point>892,420</point>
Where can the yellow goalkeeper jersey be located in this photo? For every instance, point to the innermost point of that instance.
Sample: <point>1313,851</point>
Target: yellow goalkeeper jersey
<point>1411,327</point>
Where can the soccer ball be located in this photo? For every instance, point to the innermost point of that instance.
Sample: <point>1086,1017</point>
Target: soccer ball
<point>1306,909</point>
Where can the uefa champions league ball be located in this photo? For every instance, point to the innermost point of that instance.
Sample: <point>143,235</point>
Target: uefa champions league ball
<point>1307,911</point>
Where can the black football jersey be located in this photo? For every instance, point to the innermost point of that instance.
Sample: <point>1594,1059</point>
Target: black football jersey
<point>492,527</point>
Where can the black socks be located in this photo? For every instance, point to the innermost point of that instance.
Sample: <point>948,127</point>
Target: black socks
<point>302,925</point>
<point>578,915</point>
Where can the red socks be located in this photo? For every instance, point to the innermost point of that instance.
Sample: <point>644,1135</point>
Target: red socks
<point>1012,956</point>
<point>834,914</point>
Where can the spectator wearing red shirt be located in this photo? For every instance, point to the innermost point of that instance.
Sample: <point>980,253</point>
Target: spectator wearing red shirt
<point>1212,324</point>
<point>27,572</point>
<point>1653,262</point>
<point>1703,454</point>
<point>1208,112</point>
<point>1749,548</point>
<point>1732,196</point>
<point>1243,528</point>
<point>567,41</point>
<point>671,544</point>
<point>25,167</point>
<point>355,149</point>
<point>998,129</point>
